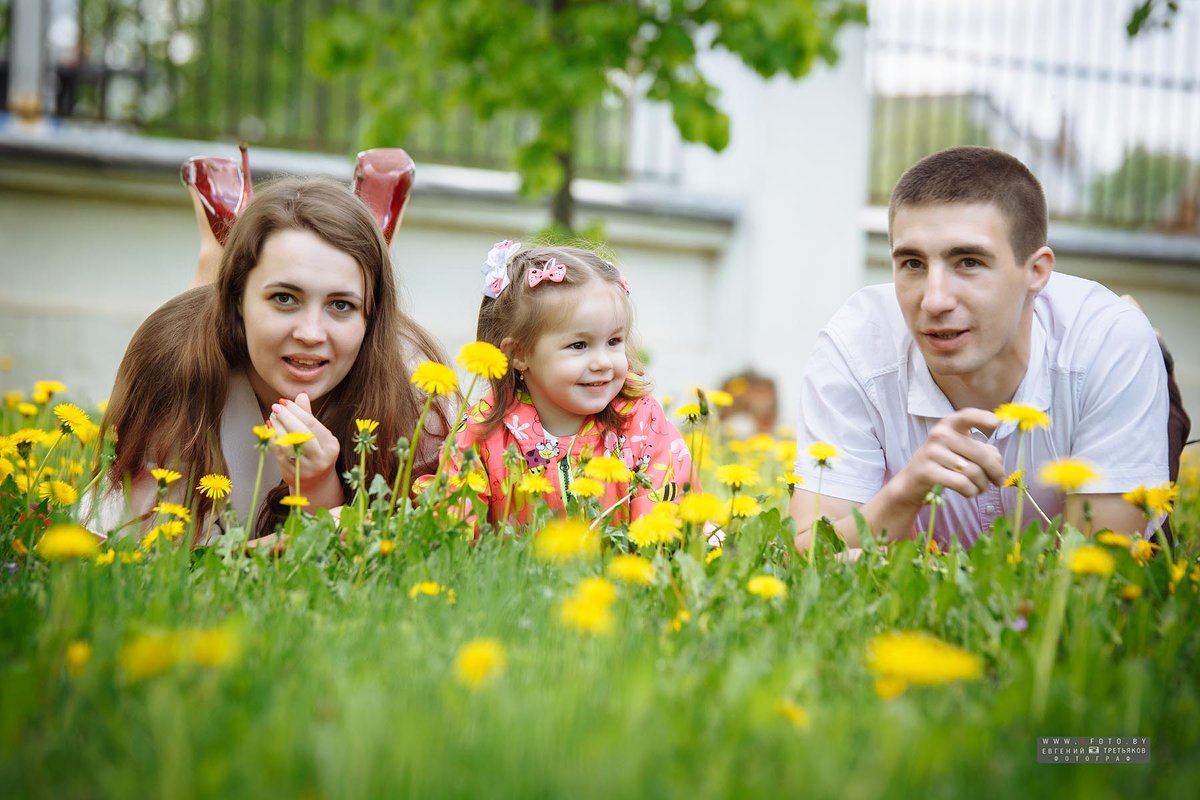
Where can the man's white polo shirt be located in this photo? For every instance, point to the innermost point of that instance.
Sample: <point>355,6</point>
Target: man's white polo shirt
<point>1094,366</point>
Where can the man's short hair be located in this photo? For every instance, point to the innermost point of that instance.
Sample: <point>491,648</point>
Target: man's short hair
<point>979,175</point>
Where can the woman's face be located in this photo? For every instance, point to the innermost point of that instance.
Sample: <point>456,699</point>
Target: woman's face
<point>303,312</point>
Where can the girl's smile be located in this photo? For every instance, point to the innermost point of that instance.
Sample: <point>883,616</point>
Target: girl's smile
<point>578,366</point>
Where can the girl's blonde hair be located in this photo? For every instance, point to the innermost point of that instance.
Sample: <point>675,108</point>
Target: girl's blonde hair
<point>522,314</point>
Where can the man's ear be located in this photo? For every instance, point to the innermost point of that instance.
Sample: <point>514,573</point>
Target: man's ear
<point>508,345</point>
<point>1041,266</point>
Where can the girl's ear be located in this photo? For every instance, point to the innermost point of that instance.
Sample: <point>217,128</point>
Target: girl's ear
<point>509,346</point>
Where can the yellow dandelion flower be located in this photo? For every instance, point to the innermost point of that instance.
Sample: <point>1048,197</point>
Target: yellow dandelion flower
<point>761,443</point>
<point>483,359</point>
<point>148,655</point>
<point>589,609</point>
<point>1131,592</point>
<point>67,541</point>
<point>263,433</point>
<point>59,493</point>
<point>426,589</point>
<point>434,378</point>
<point>1142,551</point>
<point>368,425</point>
<point>681,618</point>
<point>564,540</point>
<point>1092,560</point>
<point>596,590</point>
<point>295,438</point>
<point>587,487</point>
<point>86,434</point>
<point>768,587</point>
<point>632,569</point>
<point>1067,474</point>
<point>1015,478</point>
<point>102,406</point>
<point>609,469</point>
<point>652,529</point>
<point>888,687</point>
<point>48,388</point>
<point>1014,558</point>
<point>105,558</point>
<point>785,451</point>
<point>1026,417</point>
<point>1161,499</point>
<point>822,453</point>
<point>165,476</point>
<point>215,486</point>
<point>72,416</point>
<point>27,409</point>
<point>22,482</point>
<point>534,484</point>
<point>791,479</point>
<point>172,529</point>
<point>78,654</point>
<point>1114,539</point>
<point>6,468</point>
<point>475,481</point>
<point>665,507</point>
<point>19,548</point>
<point>713,555</point>
<point>743,507</point>
<point>737,475</point>
<point>691,411</point>
<point>13,397</point>
<point>914,657</point>
<point>793,713</point>
<point>151,537</point>
<point>294,501</point>
<point>211,647</point>
<point>479,661</point>
<point>175,510</point>
<point>386,547</point>
<point>1176,573</point>
<point>718,398</point>
<point>699,508</point>
<point>131,558</point>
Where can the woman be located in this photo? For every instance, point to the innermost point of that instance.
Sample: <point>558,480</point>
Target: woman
<point>303,330</point>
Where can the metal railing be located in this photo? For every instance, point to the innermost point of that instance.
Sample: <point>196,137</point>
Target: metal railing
<point>235,70</point>
<point>1110,125</point>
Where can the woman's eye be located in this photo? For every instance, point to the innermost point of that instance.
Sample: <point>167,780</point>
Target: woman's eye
<point>344,306</point>
<point>283,298</point>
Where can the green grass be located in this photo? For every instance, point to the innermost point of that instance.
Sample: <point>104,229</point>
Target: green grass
<point>345,686</point>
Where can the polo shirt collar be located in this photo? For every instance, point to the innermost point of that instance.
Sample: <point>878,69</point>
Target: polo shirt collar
<point>926,399</point>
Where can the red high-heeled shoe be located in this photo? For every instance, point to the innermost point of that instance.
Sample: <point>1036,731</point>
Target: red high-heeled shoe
<point>224,187</point>
<point>383,177</point>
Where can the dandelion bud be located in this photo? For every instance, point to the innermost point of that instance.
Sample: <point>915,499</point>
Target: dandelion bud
<point>402,445</point>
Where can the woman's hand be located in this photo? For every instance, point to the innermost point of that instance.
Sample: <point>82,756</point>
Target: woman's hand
<point>318,456</point>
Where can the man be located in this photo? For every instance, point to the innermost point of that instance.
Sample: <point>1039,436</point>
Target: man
<point>904,379</point>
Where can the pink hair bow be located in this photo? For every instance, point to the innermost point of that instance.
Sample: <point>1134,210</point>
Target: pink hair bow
<point>553,272</point>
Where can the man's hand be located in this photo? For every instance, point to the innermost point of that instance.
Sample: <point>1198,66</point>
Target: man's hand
<point>950,457</point>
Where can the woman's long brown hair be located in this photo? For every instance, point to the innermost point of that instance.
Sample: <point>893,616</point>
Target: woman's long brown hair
<point>171,387</point>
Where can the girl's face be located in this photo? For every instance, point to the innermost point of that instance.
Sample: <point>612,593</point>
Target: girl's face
<point>577,367</point>
<point>303,312</point>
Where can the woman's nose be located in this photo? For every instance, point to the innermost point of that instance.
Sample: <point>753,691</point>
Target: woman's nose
<point>310,327</point>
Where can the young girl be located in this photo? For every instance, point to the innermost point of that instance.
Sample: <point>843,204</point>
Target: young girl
<point>302,328</point>
<point>575,388</point>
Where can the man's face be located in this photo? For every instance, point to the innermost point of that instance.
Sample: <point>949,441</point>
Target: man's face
<point>965,298</point>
